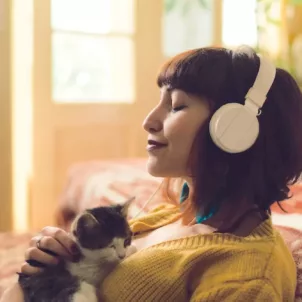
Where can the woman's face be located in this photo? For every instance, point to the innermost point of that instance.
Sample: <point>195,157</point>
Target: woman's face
<point>172,126</point>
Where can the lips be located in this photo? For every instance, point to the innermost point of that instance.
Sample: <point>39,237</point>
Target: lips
<point>155,145</point>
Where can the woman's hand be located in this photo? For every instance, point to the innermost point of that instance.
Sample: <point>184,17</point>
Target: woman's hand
<point>51,239</point>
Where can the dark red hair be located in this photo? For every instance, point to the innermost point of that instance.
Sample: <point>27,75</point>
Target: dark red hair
<point>262,174</point>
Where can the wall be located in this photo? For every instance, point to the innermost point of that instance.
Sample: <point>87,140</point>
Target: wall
<point>15,112</point>
<point>5,119</point>
<point>21,99</point>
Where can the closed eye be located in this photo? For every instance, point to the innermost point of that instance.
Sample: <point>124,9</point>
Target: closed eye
<point>176,109</point>
<point>112,246</point>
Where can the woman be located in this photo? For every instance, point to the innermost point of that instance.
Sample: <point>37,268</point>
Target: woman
<point>214,241</point>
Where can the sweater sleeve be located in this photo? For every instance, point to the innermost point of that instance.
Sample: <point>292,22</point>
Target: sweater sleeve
<point>254,290</point>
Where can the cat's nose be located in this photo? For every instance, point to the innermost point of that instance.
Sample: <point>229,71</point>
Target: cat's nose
<point>121,256</point>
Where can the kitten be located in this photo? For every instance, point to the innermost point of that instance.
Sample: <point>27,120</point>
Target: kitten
<point>103,236</point>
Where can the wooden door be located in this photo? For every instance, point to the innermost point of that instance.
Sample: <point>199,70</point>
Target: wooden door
<point>67,132</point>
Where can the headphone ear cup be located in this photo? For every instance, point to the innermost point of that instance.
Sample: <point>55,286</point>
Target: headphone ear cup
<point>234,128</point>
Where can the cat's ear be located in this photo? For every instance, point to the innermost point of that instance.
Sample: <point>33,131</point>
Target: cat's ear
<point>86,228</point>
<point>86,221</point>
<point>126,205</point>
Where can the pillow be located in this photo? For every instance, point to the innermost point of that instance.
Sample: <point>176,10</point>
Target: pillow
<point>293,239</point>
<point>97,183</point>
<point>292,205</point>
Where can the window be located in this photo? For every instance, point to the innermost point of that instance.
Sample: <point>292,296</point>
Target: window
<point>191,24</point>
<point>92,51</point>
<point>239,23</point>
<point>186,25</point>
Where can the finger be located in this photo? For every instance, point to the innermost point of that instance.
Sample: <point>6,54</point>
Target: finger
<point>51,244</point>
<point>34,253</point>
<point>63,238</point>
<point>30,270</point>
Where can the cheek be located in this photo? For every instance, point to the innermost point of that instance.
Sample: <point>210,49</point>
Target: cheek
<point>183,132</point>
<point>108,251</point>
<point>180,130</point>
<point>111,254</point>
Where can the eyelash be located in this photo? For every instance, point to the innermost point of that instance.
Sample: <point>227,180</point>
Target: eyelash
<point>176,109</point>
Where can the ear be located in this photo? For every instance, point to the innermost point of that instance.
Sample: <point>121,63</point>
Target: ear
<point>86,230</point>
<point>86,221</point>
<point>126,205</point>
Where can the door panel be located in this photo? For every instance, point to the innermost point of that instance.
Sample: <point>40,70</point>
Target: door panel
<point>64,134</point>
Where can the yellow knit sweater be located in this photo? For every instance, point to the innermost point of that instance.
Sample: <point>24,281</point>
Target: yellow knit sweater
<point>211,267</point>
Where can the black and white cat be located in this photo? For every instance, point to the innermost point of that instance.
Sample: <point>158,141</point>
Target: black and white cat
<point>104,238</point>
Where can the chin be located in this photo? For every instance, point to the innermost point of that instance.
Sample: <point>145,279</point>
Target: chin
<point>156,173</point>
<point>158,169</point>
<point>155,169</point>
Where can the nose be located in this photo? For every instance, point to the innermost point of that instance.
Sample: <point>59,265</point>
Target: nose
<point>122,255</point>
<point>152,122</point>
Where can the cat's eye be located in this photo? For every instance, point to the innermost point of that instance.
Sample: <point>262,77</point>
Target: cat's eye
<point>127,242</point>
<point>112,246</point>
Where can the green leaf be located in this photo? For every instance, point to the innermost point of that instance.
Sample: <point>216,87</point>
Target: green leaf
<point>169,5</point>
<point>295,2</point>
<point>186,7</point>
<point>274,21</point>
<point>267,7</point>
<point>204,4</point>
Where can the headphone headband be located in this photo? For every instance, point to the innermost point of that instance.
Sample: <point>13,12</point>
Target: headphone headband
<point>263,82</point>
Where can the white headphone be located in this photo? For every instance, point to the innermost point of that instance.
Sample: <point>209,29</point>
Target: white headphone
<point>234,127</point>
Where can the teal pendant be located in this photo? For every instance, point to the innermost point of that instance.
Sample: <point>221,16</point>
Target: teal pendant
<point>199,218</point>
<point>184,192</point>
